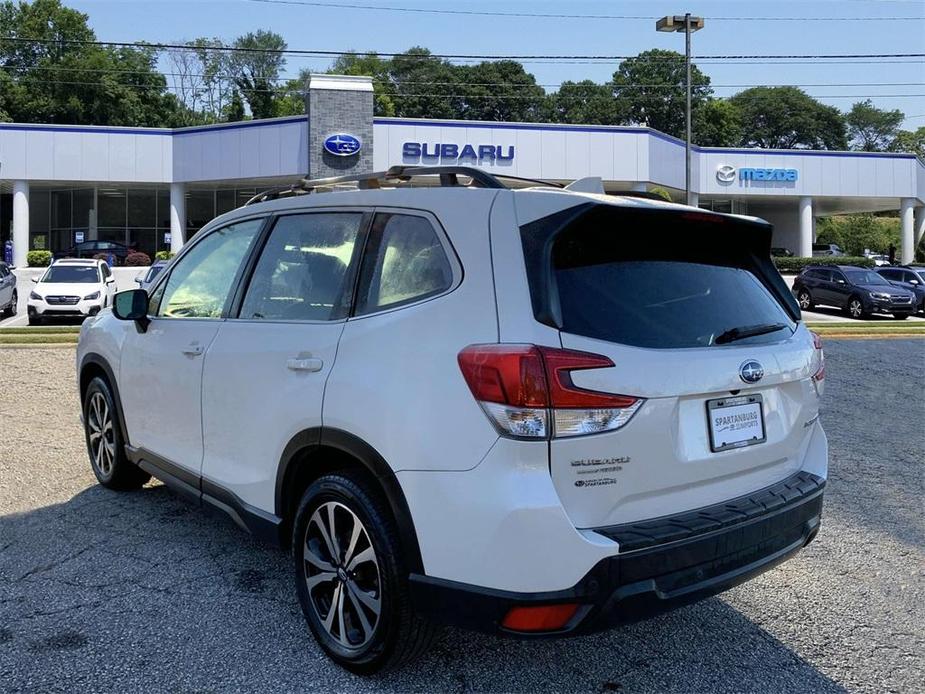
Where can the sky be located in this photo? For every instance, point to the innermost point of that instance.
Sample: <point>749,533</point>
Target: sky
<point>780,27</point>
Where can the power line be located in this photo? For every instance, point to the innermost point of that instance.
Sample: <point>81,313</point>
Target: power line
<point>460,56</point>
<point>541,15</point>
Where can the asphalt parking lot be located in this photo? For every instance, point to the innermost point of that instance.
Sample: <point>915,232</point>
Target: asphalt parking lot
<point>102,591</point>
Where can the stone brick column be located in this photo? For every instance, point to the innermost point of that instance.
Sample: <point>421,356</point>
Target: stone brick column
<point>339,104</point>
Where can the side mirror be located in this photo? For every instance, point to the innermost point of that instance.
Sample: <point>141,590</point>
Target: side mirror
<point>139,281</point>
<point>914,282</point>
<point>110,280</point>
<point>132,305</point>
<point>35,280</point>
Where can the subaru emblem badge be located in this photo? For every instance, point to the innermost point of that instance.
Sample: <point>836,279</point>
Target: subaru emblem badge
<point>342,144</point>
<point>751,371</point>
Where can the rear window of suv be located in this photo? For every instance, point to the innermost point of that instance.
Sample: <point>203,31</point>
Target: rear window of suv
<point>656,281</point>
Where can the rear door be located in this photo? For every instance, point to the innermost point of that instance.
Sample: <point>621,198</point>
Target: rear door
<point>266,370</point>
<point>722,415</point>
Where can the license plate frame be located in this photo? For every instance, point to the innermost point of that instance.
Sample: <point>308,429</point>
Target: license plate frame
<point>735,401</point>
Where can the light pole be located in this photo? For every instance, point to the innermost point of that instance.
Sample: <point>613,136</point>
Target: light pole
<point>688,25</point>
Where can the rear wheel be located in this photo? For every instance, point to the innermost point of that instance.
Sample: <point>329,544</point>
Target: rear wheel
<point>105,446</point>
<point>351,577</point>
<point>805,299</point>
<point>856,308</point>
<point>10,310</point>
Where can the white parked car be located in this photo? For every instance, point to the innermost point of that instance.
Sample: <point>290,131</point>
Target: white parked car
<point>496,406</point>
<point>71,288</point>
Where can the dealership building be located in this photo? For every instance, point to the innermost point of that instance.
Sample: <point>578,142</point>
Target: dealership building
<point>153,188</point>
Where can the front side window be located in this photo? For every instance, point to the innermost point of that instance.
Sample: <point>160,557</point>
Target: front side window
<point>200,282</point>
<point>865,277</point>
<point>72,274</point>
<point>303,271</point>
<point>404,262</point>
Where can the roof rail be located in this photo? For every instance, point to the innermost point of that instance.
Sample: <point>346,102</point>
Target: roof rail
<point>449,177</point>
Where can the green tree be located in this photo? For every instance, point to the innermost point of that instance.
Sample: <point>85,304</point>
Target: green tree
<point>256,69</point>
<point>717,123</point>
<point>910,141</point>
<point>57,77</point>
<point>788,118</point>
<point>234,110</point>
<point>652,88</point>
<point>856,233</point>
<point>871,129</point>
<point>499,91</point>
<point>425,86</point>
<point>372,65</point>
<point>585,102</point>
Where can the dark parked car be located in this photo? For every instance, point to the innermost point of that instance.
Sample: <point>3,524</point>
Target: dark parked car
<point>8,297</point>
<point>909,278</point>
<point>781,253</point>
<point>823,249</point>
<point>88,249</point>
<point>857,290</point>
<point>144,281</point>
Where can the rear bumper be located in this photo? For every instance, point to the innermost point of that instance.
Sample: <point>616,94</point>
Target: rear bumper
<point>671,562</point>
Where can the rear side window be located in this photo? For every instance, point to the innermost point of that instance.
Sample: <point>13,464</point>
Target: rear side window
<point>303,273</point>
<point>404,262</point>
<point>660,281</point>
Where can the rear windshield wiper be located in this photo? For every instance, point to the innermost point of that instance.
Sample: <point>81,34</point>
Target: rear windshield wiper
<point>734,334</point>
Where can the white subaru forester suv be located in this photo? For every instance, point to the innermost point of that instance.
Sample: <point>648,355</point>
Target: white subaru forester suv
<point>517,408</point>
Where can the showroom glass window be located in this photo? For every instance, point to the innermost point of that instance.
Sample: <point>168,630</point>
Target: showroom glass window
<point>404,262</point>
<point>304,269</point>
<point>201,280</point>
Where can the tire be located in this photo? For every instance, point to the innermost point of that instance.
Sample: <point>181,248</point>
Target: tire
<point>35,320</point>
<point>387,639</point>
<point>805,300</point>
<point>103,435</point>
<point>855,308</point>
<point>901,316</point>
<point>10,310</point>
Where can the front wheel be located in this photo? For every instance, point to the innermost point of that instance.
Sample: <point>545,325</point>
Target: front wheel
<point>105,446</point>
<point>900,316</point>
<point>856,308</point>
<point>351,577</point>
<point>35,320</point>
<point>805,299</point>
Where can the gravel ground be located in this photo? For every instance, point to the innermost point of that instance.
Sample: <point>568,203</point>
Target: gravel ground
<point>101,591</point>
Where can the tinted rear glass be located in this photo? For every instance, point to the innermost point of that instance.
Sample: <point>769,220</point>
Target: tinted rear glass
<point>665,283</point>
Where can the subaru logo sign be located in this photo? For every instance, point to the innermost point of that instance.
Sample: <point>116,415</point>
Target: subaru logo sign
<point>342,144</point>
<point>725,173</point>
<point>751,371</point>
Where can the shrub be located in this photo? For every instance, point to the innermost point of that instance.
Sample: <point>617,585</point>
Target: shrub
<point>38,258</point>
<point>797,264</point>
<point>163,255</point>
<point>137,259</point>
<point>857,232</point>
<point>101,256</point>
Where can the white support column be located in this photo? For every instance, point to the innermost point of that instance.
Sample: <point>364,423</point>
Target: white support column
<point>918,226</point>
<point>906,209</point>
<point>806,228</point>
<point>177,216</point>
<point>20,222</point>
<point>694,199</point>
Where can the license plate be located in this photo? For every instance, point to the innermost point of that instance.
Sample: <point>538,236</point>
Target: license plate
<point>735,422</point>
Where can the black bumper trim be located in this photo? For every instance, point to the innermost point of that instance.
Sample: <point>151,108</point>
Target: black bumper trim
<point>646,581</point>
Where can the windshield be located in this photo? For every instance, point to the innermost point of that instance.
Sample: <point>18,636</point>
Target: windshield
<point>72,274</point>
<point>865,277</point>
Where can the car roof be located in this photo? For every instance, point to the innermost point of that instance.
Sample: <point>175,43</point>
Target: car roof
<point>77,261</point>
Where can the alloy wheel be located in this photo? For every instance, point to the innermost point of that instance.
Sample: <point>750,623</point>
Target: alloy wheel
<point>805,301</point>
<point>101,434</point>
<point>342,575</point>
<point>855,308</point>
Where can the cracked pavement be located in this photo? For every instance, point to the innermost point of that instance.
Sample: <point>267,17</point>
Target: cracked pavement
<point>107,591</point>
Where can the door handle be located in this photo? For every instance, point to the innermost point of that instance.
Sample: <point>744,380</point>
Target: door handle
<point>309,364</point>
<point>192,350</point>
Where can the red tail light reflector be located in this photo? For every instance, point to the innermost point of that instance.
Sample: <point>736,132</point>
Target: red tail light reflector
<point>542,618</point>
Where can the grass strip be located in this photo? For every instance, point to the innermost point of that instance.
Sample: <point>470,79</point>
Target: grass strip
<point>43,330</point>
<point>37,339</point>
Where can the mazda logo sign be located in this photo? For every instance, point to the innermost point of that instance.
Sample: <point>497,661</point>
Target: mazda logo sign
<point>725,173</point>
<point>751,371</point>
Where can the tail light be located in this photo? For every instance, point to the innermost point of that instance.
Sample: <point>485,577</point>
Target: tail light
<point>527,391</point>
<point>820,371</point>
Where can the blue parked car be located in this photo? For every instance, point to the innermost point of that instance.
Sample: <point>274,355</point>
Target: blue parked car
<point>909,278</point>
